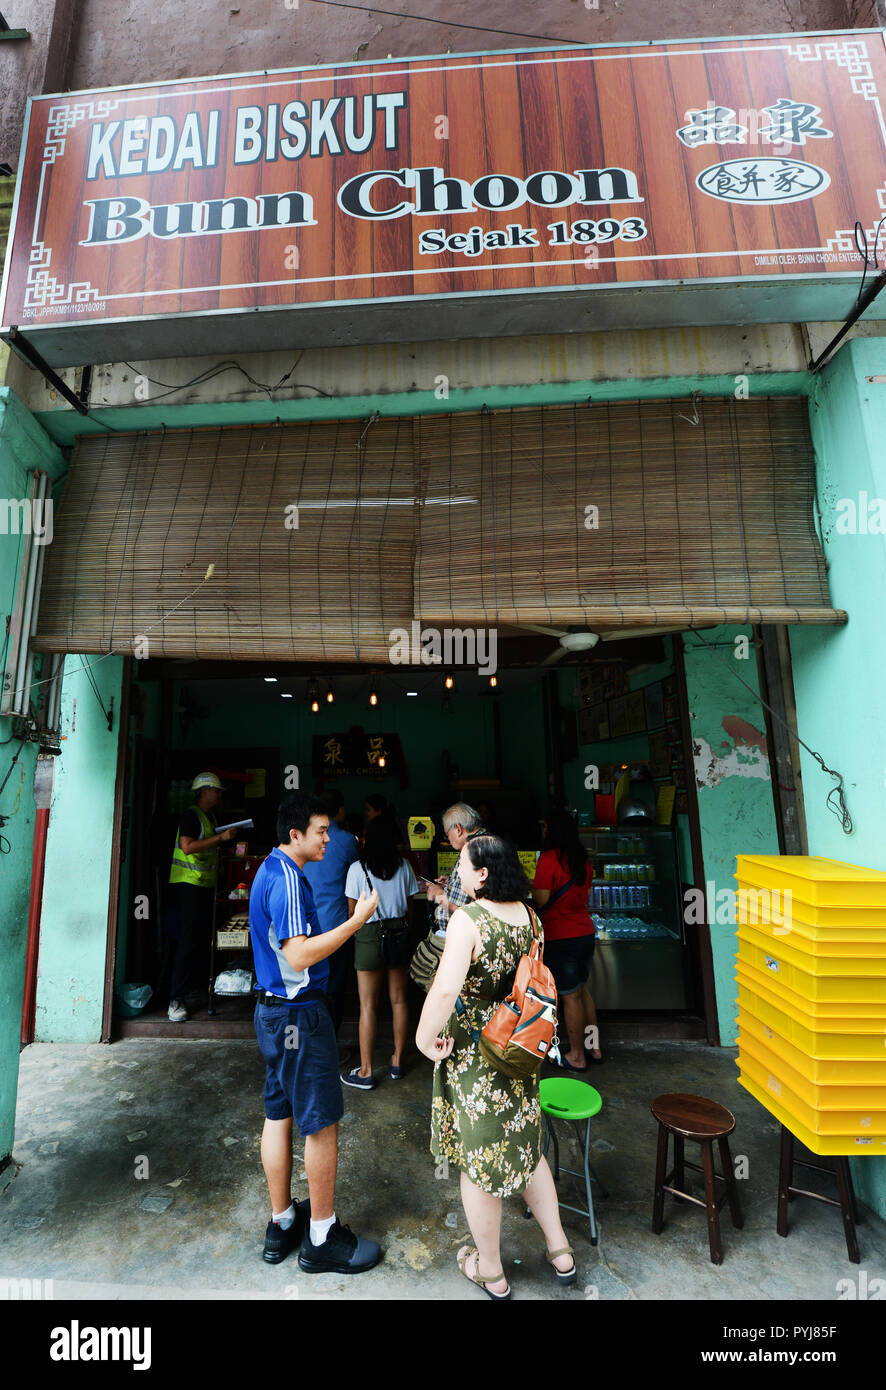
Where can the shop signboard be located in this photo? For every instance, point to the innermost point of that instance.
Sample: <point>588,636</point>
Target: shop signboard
<point>732,180</point>
<point>356,753</point>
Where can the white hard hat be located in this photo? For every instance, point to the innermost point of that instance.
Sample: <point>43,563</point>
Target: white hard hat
<point>206,779</point>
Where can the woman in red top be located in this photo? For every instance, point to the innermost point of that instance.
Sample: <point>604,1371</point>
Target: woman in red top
<point>563,878</point>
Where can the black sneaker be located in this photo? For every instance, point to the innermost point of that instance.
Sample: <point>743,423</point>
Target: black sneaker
<point>278,1242</point>
<point>341,1252</point>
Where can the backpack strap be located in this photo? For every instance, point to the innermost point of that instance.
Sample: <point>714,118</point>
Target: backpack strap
<point>555,897</point>
<point>535,949</point>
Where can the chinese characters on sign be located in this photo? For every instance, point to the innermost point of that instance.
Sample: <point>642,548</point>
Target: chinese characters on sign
<point>357,754</point>
<point>789,123</point>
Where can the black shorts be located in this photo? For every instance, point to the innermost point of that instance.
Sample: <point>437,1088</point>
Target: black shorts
<point>301,1056</point>
<point>569,961</point>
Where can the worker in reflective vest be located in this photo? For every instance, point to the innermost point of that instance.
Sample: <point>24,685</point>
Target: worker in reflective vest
<point>192,879</point>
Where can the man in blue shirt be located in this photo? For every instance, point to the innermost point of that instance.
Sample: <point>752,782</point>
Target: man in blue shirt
<point>327,879</point>
<point>297,1040</point>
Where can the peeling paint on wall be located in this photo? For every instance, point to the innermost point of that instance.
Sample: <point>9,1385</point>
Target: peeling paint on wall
<point>745,756</point>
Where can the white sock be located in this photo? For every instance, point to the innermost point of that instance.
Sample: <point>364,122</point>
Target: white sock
<point>320,1229</point>
<point>285,1218</point>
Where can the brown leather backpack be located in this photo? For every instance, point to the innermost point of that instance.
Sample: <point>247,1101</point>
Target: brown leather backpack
<point>521,1032</point>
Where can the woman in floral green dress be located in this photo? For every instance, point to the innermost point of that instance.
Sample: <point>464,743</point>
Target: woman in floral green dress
<point>486,1124</point>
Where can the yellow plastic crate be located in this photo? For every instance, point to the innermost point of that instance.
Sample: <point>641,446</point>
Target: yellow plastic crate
<point>862,1039</point>
<point>838,946</point>
<point>821,1095</point>
<point>835,1145</point>
<point>863,926</point>
<point>820,1013</point>
<point>779,961</point>
<point>815,880</point>
<point>800,952</point>
<point>862,1121</point>
<point>844,1071</point>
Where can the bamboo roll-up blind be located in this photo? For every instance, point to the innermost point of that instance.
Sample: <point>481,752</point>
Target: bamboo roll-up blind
<point>144,515</point>
<point>607,516</point>
<point>695,522</point>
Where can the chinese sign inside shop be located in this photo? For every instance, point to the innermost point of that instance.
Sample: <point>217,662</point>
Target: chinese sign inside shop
<point>492,175</point>
<point>357,754</point>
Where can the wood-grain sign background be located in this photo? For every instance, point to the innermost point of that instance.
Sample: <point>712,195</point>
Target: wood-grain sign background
<point>464,178</point>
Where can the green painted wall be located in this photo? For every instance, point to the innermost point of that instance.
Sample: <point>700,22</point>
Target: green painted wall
<point>24,447</point>
<point>840,672</point>
<point>735,807</point>
<point>522,742</point>
<point>74,927</point>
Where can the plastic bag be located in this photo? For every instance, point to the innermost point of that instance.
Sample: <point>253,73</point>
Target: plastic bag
<point>132,999</point>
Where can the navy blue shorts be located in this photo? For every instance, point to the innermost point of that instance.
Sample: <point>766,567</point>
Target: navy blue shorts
<point>569,961</point>
<point>301,1055</point>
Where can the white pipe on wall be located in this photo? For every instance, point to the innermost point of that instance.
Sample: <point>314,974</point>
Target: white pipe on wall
<point>20,692</point>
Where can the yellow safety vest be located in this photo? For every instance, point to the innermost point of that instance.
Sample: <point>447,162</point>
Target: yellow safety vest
<point>198,869</point>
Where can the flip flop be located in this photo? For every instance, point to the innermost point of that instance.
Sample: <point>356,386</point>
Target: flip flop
<point>462,1260</point>
<point>567,1066</point>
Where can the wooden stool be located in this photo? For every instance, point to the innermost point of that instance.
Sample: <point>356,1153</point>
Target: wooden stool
<point>702,1121</point>
<point>846,1191</point>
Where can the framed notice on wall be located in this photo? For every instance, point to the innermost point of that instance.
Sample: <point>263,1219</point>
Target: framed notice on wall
<point>635,712</point>
<point>654,699</point>
<point>593,724</point>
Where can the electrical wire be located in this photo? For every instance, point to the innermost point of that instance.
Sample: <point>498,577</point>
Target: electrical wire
<point>861,244</point>
<point>227,365</point>
<point>95,690</point>
<point>15,759</point>
<point>447,23</point>
<point>840,810</point>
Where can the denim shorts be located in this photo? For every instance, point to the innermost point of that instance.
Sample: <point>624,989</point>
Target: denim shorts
<point>569,961</point>
<point>302,1077</point>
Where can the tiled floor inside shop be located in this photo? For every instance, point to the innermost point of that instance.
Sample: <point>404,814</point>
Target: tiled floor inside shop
<point>140,1177</point>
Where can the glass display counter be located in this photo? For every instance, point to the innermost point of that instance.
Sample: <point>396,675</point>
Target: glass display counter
<point>636,906</point>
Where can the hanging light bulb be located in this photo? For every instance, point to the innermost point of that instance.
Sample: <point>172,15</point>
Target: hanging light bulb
<point>382,762</point>
<point>373,693</point>
<point>312,694</point>
<point>493,681</point>
<point>449,681</point>
<point>330,696</point>
<point>315,707</point>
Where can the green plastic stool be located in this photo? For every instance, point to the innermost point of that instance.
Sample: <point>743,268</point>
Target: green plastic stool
<point>564,1098</point>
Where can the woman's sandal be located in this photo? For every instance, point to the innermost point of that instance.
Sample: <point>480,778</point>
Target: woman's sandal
<point>462,1260</point>
<point>563,1276</point>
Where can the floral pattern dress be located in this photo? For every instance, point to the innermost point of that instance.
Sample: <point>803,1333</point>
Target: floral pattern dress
<point>486,1124</point>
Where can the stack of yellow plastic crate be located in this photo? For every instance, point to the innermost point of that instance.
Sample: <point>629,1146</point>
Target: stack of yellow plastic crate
<point>812,998</point>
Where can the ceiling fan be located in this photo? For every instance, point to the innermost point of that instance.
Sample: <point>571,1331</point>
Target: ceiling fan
<point>577,643</point>
<point>571,643</point>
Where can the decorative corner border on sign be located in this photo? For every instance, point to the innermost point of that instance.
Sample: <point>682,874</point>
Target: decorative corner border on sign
<point>851,54</point>
<point>42,288</point>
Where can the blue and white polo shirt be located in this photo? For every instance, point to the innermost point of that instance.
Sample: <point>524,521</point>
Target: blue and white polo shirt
<point>281,905</point>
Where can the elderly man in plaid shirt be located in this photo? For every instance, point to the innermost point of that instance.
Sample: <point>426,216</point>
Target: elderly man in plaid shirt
<point>461,823</point>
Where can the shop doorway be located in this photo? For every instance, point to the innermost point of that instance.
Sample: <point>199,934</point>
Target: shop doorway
<point>511,748</point>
